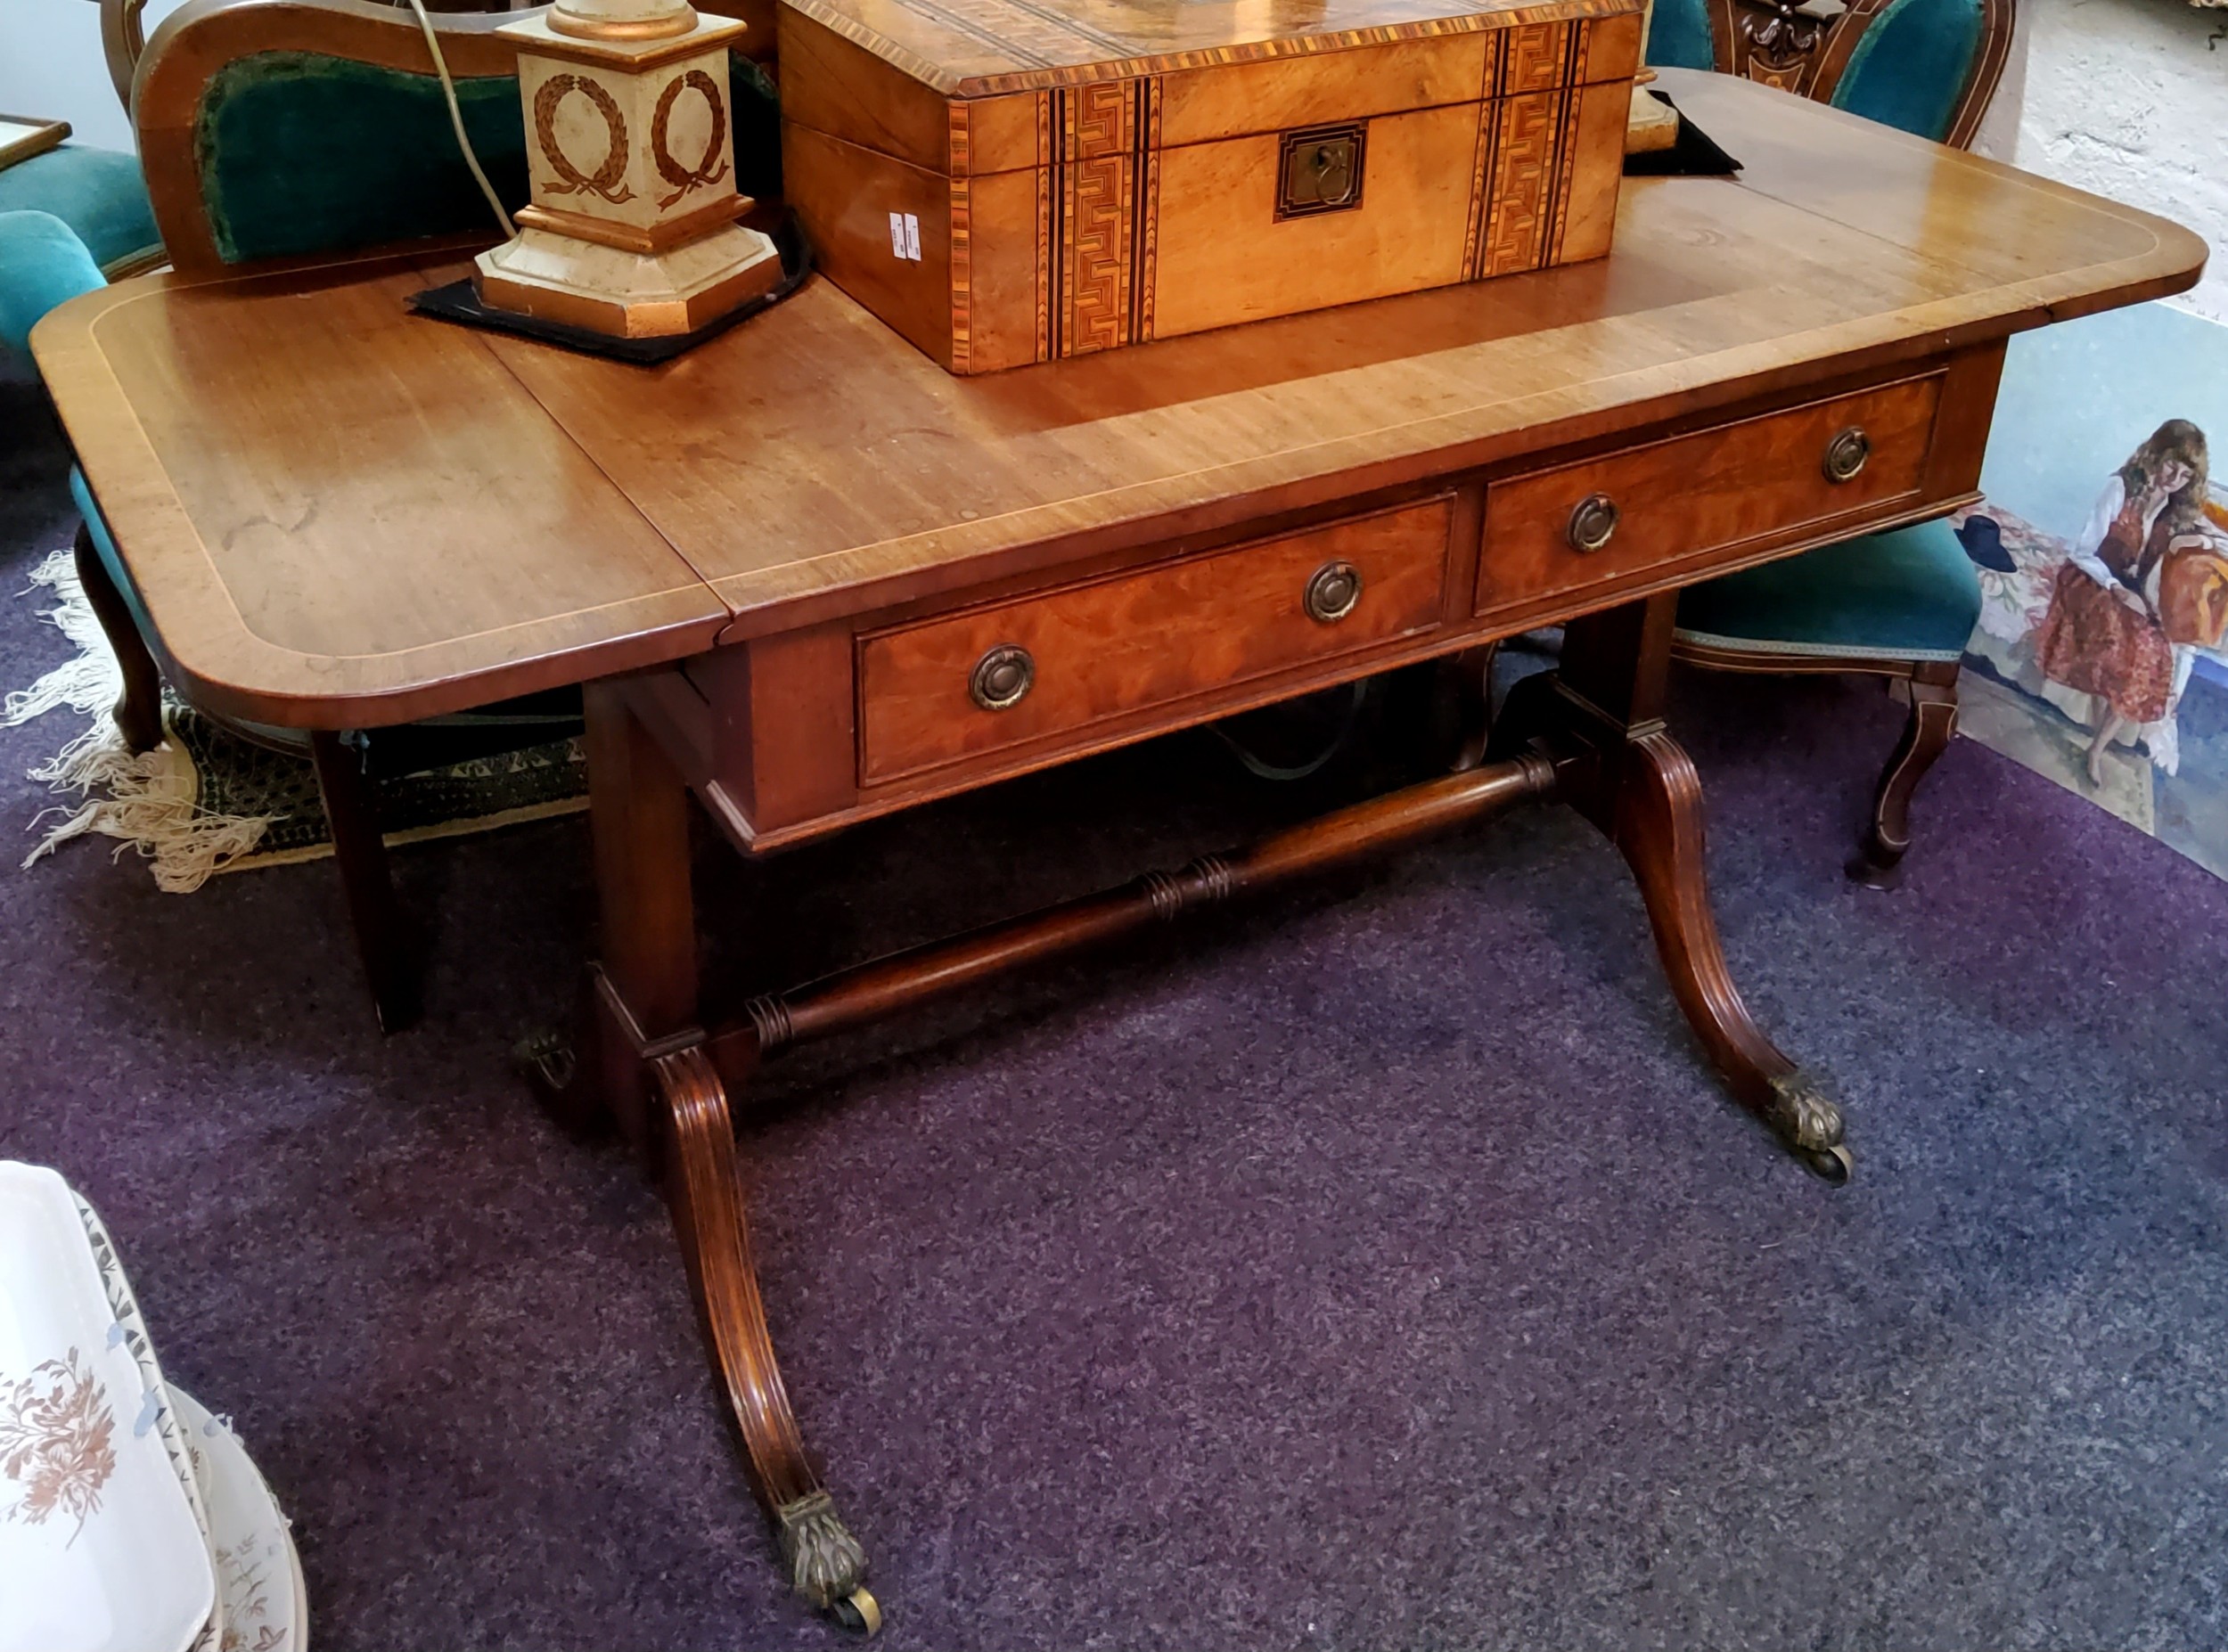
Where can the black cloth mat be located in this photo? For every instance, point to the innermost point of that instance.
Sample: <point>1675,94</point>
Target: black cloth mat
<point>1695,154</point>
<point>459,302</point>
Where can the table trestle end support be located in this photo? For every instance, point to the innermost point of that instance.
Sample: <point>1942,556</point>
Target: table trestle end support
<point>1599,719</point>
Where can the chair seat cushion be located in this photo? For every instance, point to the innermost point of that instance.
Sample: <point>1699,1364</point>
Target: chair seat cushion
<point>41,263</point>
<point>98,193</point>
<point>1910,594</point>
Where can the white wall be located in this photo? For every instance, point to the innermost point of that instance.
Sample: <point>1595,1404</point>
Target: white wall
<point>52,65</point>
<point>2127,98</point>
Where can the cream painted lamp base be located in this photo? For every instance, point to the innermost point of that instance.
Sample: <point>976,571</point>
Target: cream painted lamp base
<point>628,295</point>
<point>630,159</point>
<point>1654,126</point>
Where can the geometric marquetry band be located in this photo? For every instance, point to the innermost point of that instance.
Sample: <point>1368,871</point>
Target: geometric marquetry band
<point>1098,180</point>
<point>1520,197</point>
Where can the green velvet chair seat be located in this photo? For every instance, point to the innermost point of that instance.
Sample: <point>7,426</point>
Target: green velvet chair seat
<point>303,153</point>
<point>1912,594</point>
<point>97,193</point>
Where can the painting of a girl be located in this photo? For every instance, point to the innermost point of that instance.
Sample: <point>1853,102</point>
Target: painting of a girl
<point>2105,633</point>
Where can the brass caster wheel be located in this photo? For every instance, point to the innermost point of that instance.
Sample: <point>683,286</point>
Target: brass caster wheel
<point>1833,1163</point>
<point>858,1613</point>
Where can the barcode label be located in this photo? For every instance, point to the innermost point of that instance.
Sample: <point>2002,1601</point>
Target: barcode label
<point>905,236</point>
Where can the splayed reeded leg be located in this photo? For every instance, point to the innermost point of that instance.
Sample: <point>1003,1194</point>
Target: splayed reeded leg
<point>1599,718</point>
<point>825,1563</point>
<point>644,1060</point>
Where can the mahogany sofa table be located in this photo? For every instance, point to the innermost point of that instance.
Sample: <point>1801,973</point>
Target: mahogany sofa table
<point>807,577</point>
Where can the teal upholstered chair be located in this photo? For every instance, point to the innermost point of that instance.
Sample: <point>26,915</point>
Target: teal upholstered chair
<point>1926,66</point>
<point>281,131</point>
<point>1899,604</point>
<point>222,111</point>
<point>98,194</point>
<point>45,261</point>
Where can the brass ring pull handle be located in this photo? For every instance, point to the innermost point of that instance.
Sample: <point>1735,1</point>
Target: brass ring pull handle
<point>1846,454</point>
<point>1333,167</point>
<point>1332,590</point>
<point>1002,676</point>
<point>1593,522</point>
<point>1319,169</point>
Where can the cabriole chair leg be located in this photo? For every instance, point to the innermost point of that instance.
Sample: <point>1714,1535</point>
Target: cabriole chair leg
<point>383,934</point>
<point>1925,736</point>
<point>139,708</point>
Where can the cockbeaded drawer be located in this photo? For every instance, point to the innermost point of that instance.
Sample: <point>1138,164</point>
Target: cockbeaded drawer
<point>988,678</point>
<point>1739,488</point>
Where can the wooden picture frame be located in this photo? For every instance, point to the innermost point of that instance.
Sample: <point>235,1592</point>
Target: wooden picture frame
<point>22,136</point>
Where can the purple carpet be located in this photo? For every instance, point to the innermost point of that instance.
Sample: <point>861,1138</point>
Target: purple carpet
<point>1372,1267</point>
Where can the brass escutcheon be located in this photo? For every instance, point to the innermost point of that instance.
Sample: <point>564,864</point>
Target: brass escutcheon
<point>1847,452</point>
<point>1320,170</point>
<point>1593,522</point>
<point>1002,676</point>
<point>1332,590</point>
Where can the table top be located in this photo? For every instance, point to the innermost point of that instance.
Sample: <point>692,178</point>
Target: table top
<point>340,514</point>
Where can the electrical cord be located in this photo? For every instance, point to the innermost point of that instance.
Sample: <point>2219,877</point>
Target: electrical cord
<point>456,119</point>
<point>1262,768</point>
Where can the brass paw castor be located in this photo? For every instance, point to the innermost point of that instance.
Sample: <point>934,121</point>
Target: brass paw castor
<point>859,1613</point>
<point>1804,1117</point>
<point>1833,1163</point>
<point>547,1058</point>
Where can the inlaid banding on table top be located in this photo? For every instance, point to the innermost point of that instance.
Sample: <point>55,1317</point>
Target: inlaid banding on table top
<point>725,534</point>
<point>329,598</point>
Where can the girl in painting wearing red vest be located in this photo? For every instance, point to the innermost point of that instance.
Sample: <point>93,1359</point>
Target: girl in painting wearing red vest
<point>2104,634</point>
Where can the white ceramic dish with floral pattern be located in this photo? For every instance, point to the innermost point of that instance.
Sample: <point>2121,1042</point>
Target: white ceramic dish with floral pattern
<point>100,1551</point>
<point>124,1305</point>
<point>267,1609</point>
<point>301,1594</point>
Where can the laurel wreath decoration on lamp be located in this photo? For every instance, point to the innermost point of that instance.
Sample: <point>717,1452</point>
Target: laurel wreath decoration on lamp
<point>714,165</point>
<point>609,179</point>
<point>623,236</point>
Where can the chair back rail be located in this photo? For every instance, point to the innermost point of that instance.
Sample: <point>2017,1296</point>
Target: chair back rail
<point>124,34</point>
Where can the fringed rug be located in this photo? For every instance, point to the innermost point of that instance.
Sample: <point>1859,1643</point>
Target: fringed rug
<point>207,801</point>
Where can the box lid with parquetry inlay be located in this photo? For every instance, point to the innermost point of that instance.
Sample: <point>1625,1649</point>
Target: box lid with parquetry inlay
<point>1014,181</point>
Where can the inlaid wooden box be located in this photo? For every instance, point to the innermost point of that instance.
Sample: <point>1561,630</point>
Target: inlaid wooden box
<point>1014,181</point>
